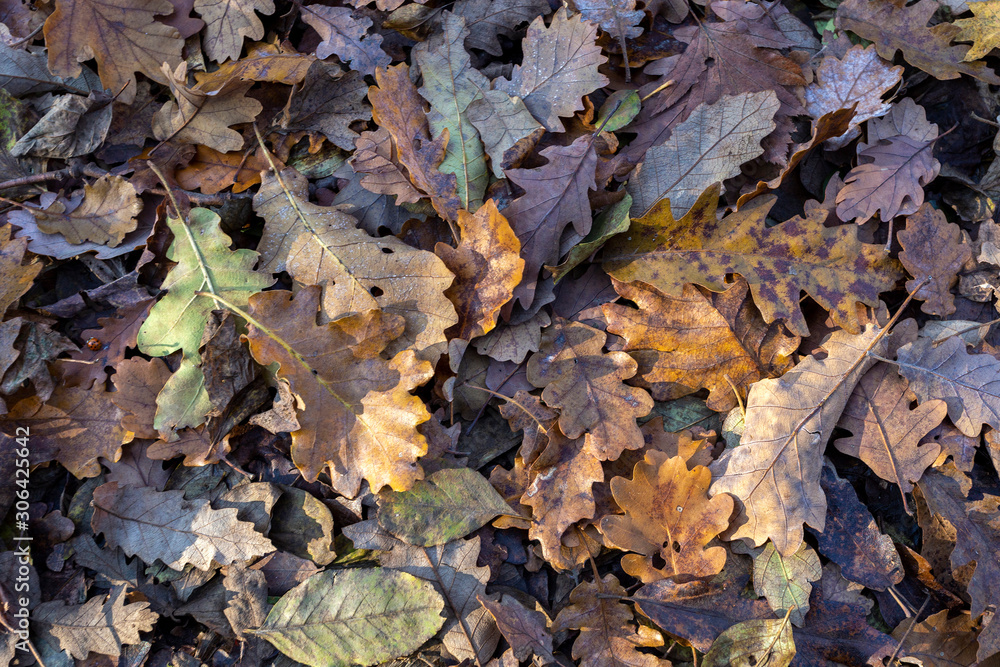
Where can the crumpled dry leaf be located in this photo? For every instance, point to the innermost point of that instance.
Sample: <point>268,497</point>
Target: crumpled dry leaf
<point>706,148</point>
<point>607,635</point>
<point>860,78</point>
<point>887,431</point>
<point>775,472</point>
<point>559,67</point>
<point>940,641</point>
<point>779,262</point>
<point>968,383</point>
<point>893,26</point>
<point>106,214</point>
<point>73,125</point>
<point>98,626</point>
<point>18,276</point>
<point>933,250</point>
<point>123,36</point>
<point>487,268</point>
<point>228,23</point>
<point>587,385</point>
<point>668,514</point>
<point>347,37</point>
<point>265,61</point>
<point>361,419</point>
<point>164,525</point>
<point>714,341</point>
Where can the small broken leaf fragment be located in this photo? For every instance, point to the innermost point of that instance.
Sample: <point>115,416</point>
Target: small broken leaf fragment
<point>983,29</point>
<point>449,504</point>
<point>669,514</point>
<point>354,617</point>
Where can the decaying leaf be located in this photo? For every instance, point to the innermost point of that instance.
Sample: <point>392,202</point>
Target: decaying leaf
<point>933,251</point>
<point>347,37</point>
<point>668,514</point>
<point>18,274</point>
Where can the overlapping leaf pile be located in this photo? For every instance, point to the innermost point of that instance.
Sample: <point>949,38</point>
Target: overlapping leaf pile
<point>487,332</point>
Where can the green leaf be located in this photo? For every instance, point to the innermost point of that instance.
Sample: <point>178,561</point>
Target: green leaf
<point>204,264</point>
<point>786,582</point>
<point>761,641</point>
<point>450,85</point>
<point>354,617</point>
<point>618,110</point>
<point>612,220</point>
<point>183,402</point>
<point>447,505</point>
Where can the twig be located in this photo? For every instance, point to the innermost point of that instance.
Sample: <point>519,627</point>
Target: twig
<point>57,175</point>
<point>217,199</point>
<point>966,330</point>
<point>916,617</point>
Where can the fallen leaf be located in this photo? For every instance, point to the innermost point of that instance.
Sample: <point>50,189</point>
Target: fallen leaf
<point>347,37</point>
<point>303,526</point>
<point>487,268</point>
<point>668,514</point>
<point>246,609</point>
<point>587,385</point>
<point>968,383</point>
<point>73,125</point>
<point>18,276</point>
<point>328,101</point>
<point>933,251</point>
<point>886,431</point>
<point>228,23</point>
<point>164,525</point>
<point>764,641</point>
<point>211,171</point>
<point>488,20</point>
<point>713,341</point>
<point>893,26</point>
<point>982,29</point>
<point>524,629</point>
<point>106,214</point>
<point>938,641</point>
<point>98,626</point>
<point>264,62</point>
<point>319,621</point>
<point>779,262</point>
<point>123,36</point>
<point>448,505</point>
<point>706,148</point>
<point>775,472</point>
<point>503,121</point>
<point>607,635</point>
<point>786,581</point>
<point>559,67</point>
<point>608,223</point>
<point>362,419</point>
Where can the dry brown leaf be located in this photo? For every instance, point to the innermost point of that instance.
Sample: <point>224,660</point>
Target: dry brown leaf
<point>525,412</point>
<point>524,629</point>
<point>887,431</point>
<point>775,472</point>
<point>137,383</point>
<point>347,37</point>
<point>321,245</point>
<point>607,634</point>
<point>361,419</point>
<point>981,29</point>
<point>503,121</point>
<point>211,171</point>
<point>228,23</point>
<point>399,108</point>
<point>893,26</point>
<point>487,267</point>
<point>264,62</point>
<point>329,101</point>
<point>122,35</point>
<point>669,514</point>
<point>376,159</point>
<point>859,78</point>
<point>700,340</point>
<point>933,251</point>
<point>106,214</point>
<point>488,20</point>
<point>939,641</point>
<point>197,117</point>
<point>587,385</point>
<point>18,276</point>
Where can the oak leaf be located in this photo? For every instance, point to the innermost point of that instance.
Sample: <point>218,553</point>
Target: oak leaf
<point>968,383</point>
<point>106,214</point>
<point>228,23</point>
<point>559,67</point>
<point>26,73</point>
<point>713,341</point>
<point>524,629</point>
<point>199,117</point>
<point>983,29</point>
<point>503,121</point>
<point>183,402</point>
<point>610,222</point>
<point>377,160</point>
<point>247,609</point>
<point>264,62</point>
<point>933,251</point>
<point>321,245</point>
<point>211,171</point>
<point>164,525</point>
<point>786,581</point>
<point>897,163</point>
<point>362,419</point>
<point>607,635</point>
<point>779,262</point>
<point>620,18</point>
<point>939,641</point>
<point>204,264</point>
<point>893,26</point>
<point>886,431</point>
<point>668,514</point>
<point>775,472</point>
<point>587,385</point>
<point>397,107</point>
<point>99,625</point>
<point>487,268</point>
<point>451,83</point>
<point>759,641</point>
<point>122,35</point>
<point>555,197</point>
<point>73,125</point>
<point>347,37</point>
<point>488,20</point>
<point>859,79</point>
<point>328,101</point>
<point>706,148</point>
<point>137,383</point>
<point>18,276</point>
